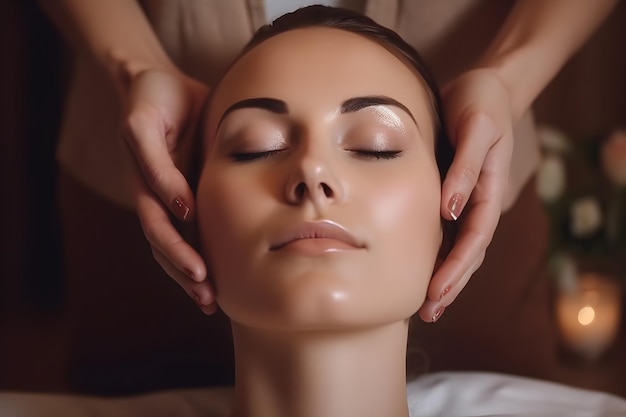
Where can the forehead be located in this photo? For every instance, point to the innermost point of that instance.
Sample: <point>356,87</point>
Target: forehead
<point>320,65</point>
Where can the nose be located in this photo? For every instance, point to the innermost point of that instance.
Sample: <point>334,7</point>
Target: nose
<point>312,179</point>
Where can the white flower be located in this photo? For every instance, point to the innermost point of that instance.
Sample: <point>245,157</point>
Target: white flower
<point>614,157</point>
<point>552,140</point>
<point>551,178</point>
<point>585,217</point>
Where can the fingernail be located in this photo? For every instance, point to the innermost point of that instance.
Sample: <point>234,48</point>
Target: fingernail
<point>180,208</point>
<point>438,313</point>
<point>445,291</point>
<point>196,298</point>
<point>454,205</point>
<point>189,273</point>
<point>210,309</point>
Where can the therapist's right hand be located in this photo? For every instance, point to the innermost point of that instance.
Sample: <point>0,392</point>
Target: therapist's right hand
<point>161,113</point>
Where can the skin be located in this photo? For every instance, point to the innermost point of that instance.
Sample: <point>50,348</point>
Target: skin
<point>324,167</point>
<point>482,105</point>
<point>318,317</point>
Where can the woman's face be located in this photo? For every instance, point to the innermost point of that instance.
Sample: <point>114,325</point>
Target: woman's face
<point>318,203</point>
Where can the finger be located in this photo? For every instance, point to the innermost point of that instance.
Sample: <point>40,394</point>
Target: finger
<point>473,237</point>
<point>165,238</point>
<point>201,292</point>
<point>475,233</point>
<point>464,259</point>
<point>474,138</point>
<point>431,310</point>
<point>145,135</point>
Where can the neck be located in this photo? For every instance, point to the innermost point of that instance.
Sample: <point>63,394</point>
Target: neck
<point>321,374</point>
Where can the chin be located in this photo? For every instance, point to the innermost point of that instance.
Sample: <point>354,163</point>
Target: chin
<point>319,301</point>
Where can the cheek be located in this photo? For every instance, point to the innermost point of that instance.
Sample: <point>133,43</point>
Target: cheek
<point>229,208</point>
<point>407,222</point>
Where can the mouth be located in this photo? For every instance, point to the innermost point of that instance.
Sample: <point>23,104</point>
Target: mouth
<point>322,231</point>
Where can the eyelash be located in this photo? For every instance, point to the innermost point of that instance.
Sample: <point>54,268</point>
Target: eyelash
<point>253,156</point>
<point>363,154</point>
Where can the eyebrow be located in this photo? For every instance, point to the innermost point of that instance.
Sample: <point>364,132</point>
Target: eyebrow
<point>273,105</point>
<point>351,105</point>
<point>357,103</point>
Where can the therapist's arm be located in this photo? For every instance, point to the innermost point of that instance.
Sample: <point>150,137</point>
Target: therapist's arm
<point>482,107</point>
<point>536,41</point>
<point>160,107</point>
<point>115,32</point>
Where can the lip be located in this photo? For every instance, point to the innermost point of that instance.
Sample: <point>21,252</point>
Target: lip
<point>327,230</point>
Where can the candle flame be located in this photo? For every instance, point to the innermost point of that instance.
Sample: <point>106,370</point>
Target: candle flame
<point>586,315</point>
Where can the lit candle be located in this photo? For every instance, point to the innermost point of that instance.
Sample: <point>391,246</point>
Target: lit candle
<point>589,315</point>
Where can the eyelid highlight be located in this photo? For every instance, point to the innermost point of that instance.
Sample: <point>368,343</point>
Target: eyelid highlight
<point>249,138</point>
<point>388,117</point>
<point>383,105</point>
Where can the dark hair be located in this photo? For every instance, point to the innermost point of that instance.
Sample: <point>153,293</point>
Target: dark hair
<point>351,21</point>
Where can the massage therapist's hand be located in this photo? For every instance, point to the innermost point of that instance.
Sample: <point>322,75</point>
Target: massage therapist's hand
<point>479,123</point>
<point>161,113</point>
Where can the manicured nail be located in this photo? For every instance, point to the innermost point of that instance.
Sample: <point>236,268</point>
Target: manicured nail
<point>196,298</point>
<point>189,273</point>
<point>445,291</point>
<point>454,205</point>
<point>438,313</point>
<point>208,310</point>
<point>180,208</point>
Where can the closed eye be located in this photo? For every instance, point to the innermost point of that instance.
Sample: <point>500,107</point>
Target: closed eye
<point>253,156</point>
<point>367,154</point>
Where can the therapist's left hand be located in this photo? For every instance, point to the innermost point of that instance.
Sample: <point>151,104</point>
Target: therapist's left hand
<point>479,124</point>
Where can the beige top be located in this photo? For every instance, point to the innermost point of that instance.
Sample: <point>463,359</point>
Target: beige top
<point>203,36</point>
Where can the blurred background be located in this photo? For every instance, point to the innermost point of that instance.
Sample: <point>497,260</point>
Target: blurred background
<point>586,100</point>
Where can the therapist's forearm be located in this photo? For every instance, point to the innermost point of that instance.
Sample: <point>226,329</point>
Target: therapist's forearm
<point>537,39</point>
<point>115,32</point>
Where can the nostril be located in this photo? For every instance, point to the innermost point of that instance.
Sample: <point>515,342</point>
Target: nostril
<point>328,192</point>
<point>300,190</point>
<point>303,191</point>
